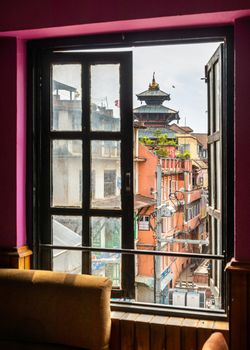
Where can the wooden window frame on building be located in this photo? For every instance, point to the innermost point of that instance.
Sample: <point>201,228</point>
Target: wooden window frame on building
<point>37,50</point>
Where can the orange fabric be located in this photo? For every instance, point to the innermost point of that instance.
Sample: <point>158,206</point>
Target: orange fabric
<point>55,308</point>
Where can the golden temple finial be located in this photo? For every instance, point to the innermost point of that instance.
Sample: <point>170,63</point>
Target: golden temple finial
<point>153,85</point>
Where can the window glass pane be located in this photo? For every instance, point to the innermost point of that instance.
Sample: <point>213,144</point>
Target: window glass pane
<point>217,101</point>
<point>218,175</point>
<point>212,165</point>
<point>68,261</point>
<point>66,173</point>
<point>219,278</point>
<point>211,104</point>
<point>219,236</point>
<point>67,96</point>
<point>105,97</point>
<point>213,235</point>
<point>108,265</point>
<point>67,230</point>
<point>106,232</point>
<point>106,174</point>
<point>177,281</point>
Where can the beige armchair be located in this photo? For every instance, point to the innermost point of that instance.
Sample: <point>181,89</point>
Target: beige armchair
<point>49,310</point>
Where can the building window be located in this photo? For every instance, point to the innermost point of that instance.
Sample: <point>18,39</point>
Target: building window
<point>84,175</point>
<point>143,223</point>
<point>184,148</point>
<point>109,183</point>
<point>193,211</point>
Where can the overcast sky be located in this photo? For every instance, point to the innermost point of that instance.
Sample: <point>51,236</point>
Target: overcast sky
<point>178,70</point>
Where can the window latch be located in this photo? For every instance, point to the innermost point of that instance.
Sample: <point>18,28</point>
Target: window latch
<point>128,182</point>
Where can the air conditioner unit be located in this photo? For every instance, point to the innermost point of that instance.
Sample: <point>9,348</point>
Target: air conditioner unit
<point>183,297</point>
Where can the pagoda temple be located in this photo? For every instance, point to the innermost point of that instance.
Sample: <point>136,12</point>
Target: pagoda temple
<point>153,113</point>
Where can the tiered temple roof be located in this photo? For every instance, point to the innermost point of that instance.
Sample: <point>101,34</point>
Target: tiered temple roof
<point>153,113</point>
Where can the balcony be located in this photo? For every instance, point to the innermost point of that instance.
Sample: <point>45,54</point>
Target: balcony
<point>191,196</point>
<point>191,224</point>
<point>171,166</point>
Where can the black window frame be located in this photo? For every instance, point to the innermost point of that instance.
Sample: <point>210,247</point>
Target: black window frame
<point>45,134</point>
<point>126,40</point>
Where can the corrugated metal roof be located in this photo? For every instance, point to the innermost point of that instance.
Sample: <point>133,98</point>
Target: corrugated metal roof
<point>57,85</point>
<point>143,201</point>
<point>201,164</point>
<point>154,109</point>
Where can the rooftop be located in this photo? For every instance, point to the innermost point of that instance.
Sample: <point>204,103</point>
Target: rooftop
<point>143,201</point>
<point>201,137</point>
<point>150,132</point>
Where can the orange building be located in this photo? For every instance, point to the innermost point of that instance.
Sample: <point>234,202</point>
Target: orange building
<point>180,228</point>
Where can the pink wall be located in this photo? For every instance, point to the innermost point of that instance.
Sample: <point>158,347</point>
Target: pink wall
<point>13,142</point>
<point>28,14</point>
<point>91,16</point>
<point>242,137</point>
<point>21,143</point>
<point>8,108</point>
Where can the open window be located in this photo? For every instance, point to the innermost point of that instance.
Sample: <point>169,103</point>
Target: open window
<point>130,191</point>
<point>214,76</point>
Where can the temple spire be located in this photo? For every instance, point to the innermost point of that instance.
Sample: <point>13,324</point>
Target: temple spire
<point>153,85</point>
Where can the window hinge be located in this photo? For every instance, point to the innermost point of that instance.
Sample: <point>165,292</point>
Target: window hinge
<point>40,81</point>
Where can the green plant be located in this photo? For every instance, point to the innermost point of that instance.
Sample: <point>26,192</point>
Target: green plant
<point>159,139</point>
<point>171,143</point>
<point>157,133</point>
<point>187,154</point>
<point>161,152</point>
<point>146,141</point>
<point>162,139</point>
<point>184,155</point>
